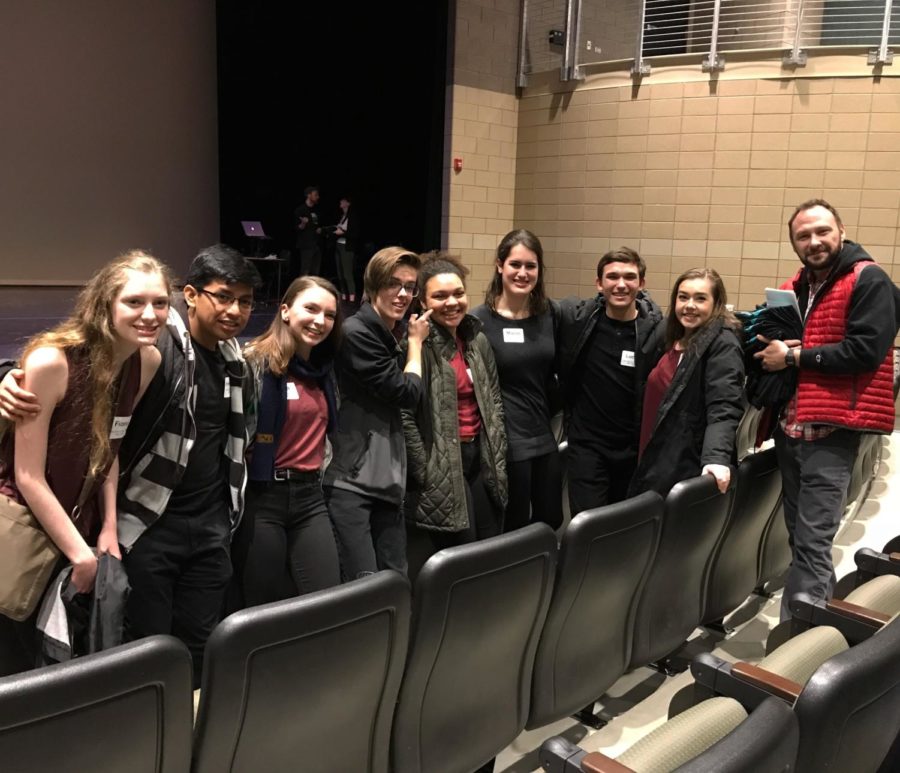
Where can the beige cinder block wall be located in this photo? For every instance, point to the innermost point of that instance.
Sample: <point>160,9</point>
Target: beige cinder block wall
<point>481,128</point>
<point>707,172</point>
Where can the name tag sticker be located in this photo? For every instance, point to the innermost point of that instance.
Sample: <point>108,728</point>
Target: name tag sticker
<point>513,335</point>
<point>292,393</point>
<point>469,374</point>
<point>119,425</point>
<point>227,388</point>
<point>627,359</point>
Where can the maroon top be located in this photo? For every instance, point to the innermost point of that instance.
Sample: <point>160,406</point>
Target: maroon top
<point>466,404</point>
<point>69,443</point>
<point>657,385</point>
<point>301,445</point>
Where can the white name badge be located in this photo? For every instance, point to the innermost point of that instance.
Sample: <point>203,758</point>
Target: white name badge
<point>469,374</point>
<point>513,335</point>
<point>227,388</point>
<point>292,393</point>
<point>627,359</point>
<point>119,425</point>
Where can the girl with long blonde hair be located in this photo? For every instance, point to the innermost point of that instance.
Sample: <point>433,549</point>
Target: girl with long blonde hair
<point>87,374</point>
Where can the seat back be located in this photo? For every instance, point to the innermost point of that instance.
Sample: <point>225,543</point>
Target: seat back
<point>774,555</point>
<point>672,602</point>
<point>757,492</point>
<point>477,617</point>
<point>849,710</point>
<point>745,436</point>
<point>128,708</point>
<point>585,646</point>
<point>309,683</point>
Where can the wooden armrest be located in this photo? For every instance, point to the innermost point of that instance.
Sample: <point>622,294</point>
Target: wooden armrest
<point>856,612</point>
<point>786,689</point>
<point>894,557</point>
<point>597,762</point>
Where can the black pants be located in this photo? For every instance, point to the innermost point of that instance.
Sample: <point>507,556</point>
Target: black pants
<point>179,570</point>
<point>293,543</point>
<point>370,532</point>
<point>597,476</point>
<point>535,492</point>
<point>485,518</point>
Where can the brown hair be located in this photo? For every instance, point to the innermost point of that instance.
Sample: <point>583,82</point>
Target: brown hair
<point>622,255</point>
<point>276,345</point>
<point>382,266</point>
<point>91,327</point>
<point>537,301</point>
<point>809,204</point>
<point>674,329</point>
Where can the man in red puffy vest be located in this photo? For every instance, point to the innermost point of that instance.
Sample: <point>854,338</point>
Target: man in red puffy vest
<point>845,386</point>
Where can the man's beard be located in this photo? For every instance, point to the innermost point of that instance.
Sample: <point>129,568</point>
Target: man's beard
<point>825,265</point>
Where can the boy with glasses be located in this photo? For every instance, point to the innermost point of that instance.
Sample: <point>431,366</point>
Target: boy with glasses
<point>366,481</point>
<point>181,496</point>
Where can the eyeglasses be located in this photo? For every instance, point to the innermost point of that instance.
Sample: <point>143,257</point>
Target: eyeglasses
<point>225,300</point>
<point>410,288</point>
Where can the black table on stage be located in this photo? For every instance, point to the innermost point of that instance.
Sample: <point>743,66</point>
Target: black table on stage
<point>277,265</point>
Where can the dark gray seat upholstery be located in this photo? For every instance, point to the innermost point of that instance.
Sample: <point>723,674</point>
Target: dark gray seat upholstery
<point>672,602</point>
<point>774,556</point>
<point>125,709</point>
<point>764,742</point>
<point>604,560</point>
<point>477,617</point>
<point>757,493</point>
<point>305,684</point>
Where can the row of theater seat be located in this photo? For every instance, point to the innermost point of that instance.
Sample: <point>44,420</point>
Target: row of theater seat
<point>826,698</point>
<point>508,633</point>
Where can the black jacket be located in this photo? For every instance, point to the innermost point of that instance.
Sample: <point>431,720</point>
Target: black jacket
<point>576,326</point>
<point>699,414</point>
<point>368,445</point>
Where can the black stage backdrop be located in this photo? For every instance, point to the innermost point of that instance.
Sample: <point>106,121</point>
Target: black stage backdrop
<point>348,97</point>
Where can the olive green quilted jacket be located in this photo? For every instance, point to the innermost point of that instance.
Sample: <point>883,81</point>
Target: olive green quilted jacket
<point>436,497</point>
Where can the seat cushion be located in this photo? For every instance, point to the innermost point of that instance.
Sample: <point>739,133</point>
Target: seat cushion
<point>798,658</point>
<point>684,737</point>
<point>881,594</point>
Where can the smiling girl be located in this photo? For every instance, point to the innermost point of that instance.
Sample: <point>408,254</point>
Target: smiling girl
<point>457,437</point>
<point>694,396</point>
<point>293,362</point>
<point>518,321</point>
<point>87,375</point>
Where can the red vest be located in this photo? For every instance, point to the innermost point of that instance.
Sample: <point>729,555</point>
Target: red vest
<point>861,401</point>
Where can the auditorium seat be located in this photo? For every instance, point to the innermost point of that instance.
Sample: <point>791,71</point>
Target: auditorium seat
<point>585,646</point>
<point>305,684</point>
<point>847,699</point>
<point>774,554</point>
<point>125,709</point>
<point>757,492</point>
<point>857,616</point>
<point>478,610</point>
<point>863,471</point>
<point>672,602</point>
<point>715,735</point>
